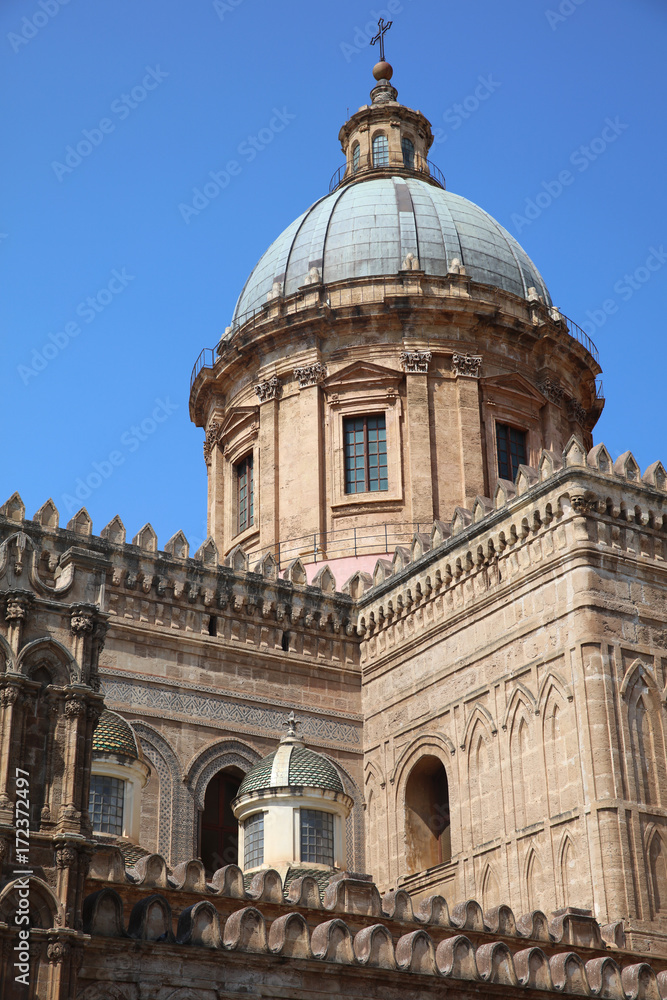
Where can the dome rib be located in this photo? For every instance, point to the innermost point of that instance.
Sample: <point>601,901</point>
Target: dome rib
<point>366,228</point>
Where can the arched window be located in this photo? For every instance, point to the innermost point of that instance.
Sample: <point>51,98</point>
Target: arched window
<point>658,872</point>
<point>219,837</point>
<point>427,826</point>
<point>356,154</point>
<point>408,149</point>
<point>380,150</point>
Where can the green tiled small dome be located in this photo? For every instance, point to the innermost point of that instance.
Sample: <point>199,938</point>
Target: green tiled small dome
<point>114,735</point>
<point>306,769</point>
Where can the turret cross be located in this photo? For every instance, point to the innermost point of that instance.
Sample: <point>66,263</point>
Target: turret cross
<point>384,28</point>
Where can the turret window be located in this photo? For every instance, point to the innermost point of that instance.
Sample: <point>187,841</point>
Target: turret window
<point>408,149</point>
<point>365,449</point>
<point>105,804</point>
<point>253,841</point>
<point>317,837</point>
<point>380,151</point>
<point>356,155</point>
<point>511,451</point>
<point>244,493</point>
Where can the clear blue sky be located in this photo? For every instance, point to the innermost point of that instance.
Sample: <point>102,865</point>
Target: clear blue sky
<point>209,76</point>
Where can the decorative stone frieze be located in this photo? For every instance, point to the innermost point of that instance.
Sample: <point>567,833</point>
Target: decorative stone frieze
<point>416,362</point>
<point>466,364</point>
<point>268,388</point>
<point>310,374</point>
<point>552,389</point>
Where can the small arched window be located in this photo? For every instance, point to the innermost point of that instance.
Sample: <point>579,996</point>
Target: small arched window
<point>356,154</point>
<point>427,825</point>
<point>408,149</point>
<point>218,835</point>
<point>380,151</point>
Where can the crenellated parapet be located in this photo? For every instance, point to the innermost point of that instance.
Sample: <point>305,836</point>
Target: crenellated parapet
<point>350,927</point>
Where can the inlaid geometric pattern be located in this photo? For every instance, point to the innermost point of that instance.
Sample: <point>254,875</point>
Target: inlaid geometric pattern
<point>204,706</point>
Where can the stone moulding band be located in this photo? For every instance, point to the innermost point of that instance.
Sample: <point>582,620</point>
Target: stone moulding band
<point>202,707</point>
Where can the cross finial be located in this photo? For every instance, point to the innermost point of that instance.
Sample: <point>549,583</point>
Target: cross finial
<point>290,723</point>
<point>384,28</point>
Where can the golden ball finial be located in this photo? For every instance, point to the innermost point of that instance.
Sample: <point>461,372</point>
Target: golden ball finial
<point>383,70</point>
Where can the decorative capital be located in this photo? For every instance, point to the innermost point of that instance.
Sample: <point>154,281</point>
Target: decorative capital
<point>57,951</point>
<point>466,364</point>
<point>552,389</point>
<point>268,388</point>
<point>66,857</point>
<point>18,604</point>
<point>416,362</point>
<point>212,432</point>
<point>74,708</point>
<point>9,696</point>
<point>82,621</point>
<point>310,374</point>
<point>576,412</point>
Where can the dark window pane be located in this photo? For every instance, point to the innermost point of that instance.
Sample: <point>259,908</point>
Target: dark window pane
<point>512,450</point>
<point>253,841</point>
<point>244,493</point>
<point>408,150</point>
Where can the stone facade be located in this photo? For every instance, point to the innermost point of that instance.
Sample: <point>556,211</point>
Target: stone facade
<point>487,678</point>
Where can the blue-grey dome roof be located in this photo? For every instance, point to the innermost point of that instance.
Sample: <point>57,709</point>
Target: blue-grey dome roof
<point>369,227</point>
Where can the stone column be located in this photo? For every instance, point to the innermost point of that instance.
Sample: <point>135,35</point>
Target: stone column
<point>268,391</point>
<point>466,368</point>
<point>303,512</point>
<point>418,425</point>
<point>215,463</point>
<point>16,613</point>
<point>10,718</point>
<point>552,414</point>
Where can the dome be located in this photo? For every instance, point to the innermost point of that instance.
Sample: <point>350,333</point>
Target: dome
<point>368,228</point>
<point>292,765</point>
<point>114,735</point>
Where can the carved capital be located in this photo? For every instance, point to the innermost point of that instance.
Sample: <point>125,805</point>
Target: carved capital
<point>268,388</point>
<point>466,364</point>
<point>576,412</point>
<point>310,374</point>
<point>66,857</point>
<point>552,389</point>
<point>9,695</point>
<point>82,618</point>
<point>57,951</point>
<point>74,708</point>
<point>18,605</point>
<point>416,362</point>
<point>212,432</point>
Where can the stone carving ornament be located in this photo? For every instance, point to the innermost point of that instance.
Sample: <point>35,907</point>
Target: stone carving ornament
<point>416,362</point>
<point>466,364</point>
<point>552,389</point>
<point>310,374</point>
<point>211,439</point>
<point>267,388</point>
<point>576,412</point>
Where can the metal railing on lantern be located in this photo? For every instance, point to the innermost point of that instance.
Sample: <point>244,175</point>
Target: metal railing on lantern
<point>323,546</point>
<point>421,168</point>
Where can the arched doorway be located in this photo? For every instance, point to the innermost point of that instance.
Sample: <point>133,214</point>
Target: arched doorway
<point>427,826</point>
<point>218,829</point>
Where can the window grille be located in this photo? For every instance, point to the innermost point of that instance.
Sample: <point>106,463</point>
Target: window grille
<point>253,841</point>
<point>365,454</point>
<point>380,151</point>
<point>105,804</point>
<point>511,451</point>
<point>317,838</point>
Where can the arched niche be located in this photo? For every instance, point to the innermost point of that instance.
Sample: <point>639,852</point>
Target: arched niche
<point>218,827</point>
<point>427,822</point>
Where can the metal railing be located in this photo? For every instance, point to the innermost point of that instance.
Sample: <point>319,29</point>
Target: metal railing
<point>322,546</point>
<point>422,168</point>
<point>366,291</point>
<point>583,338</point>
